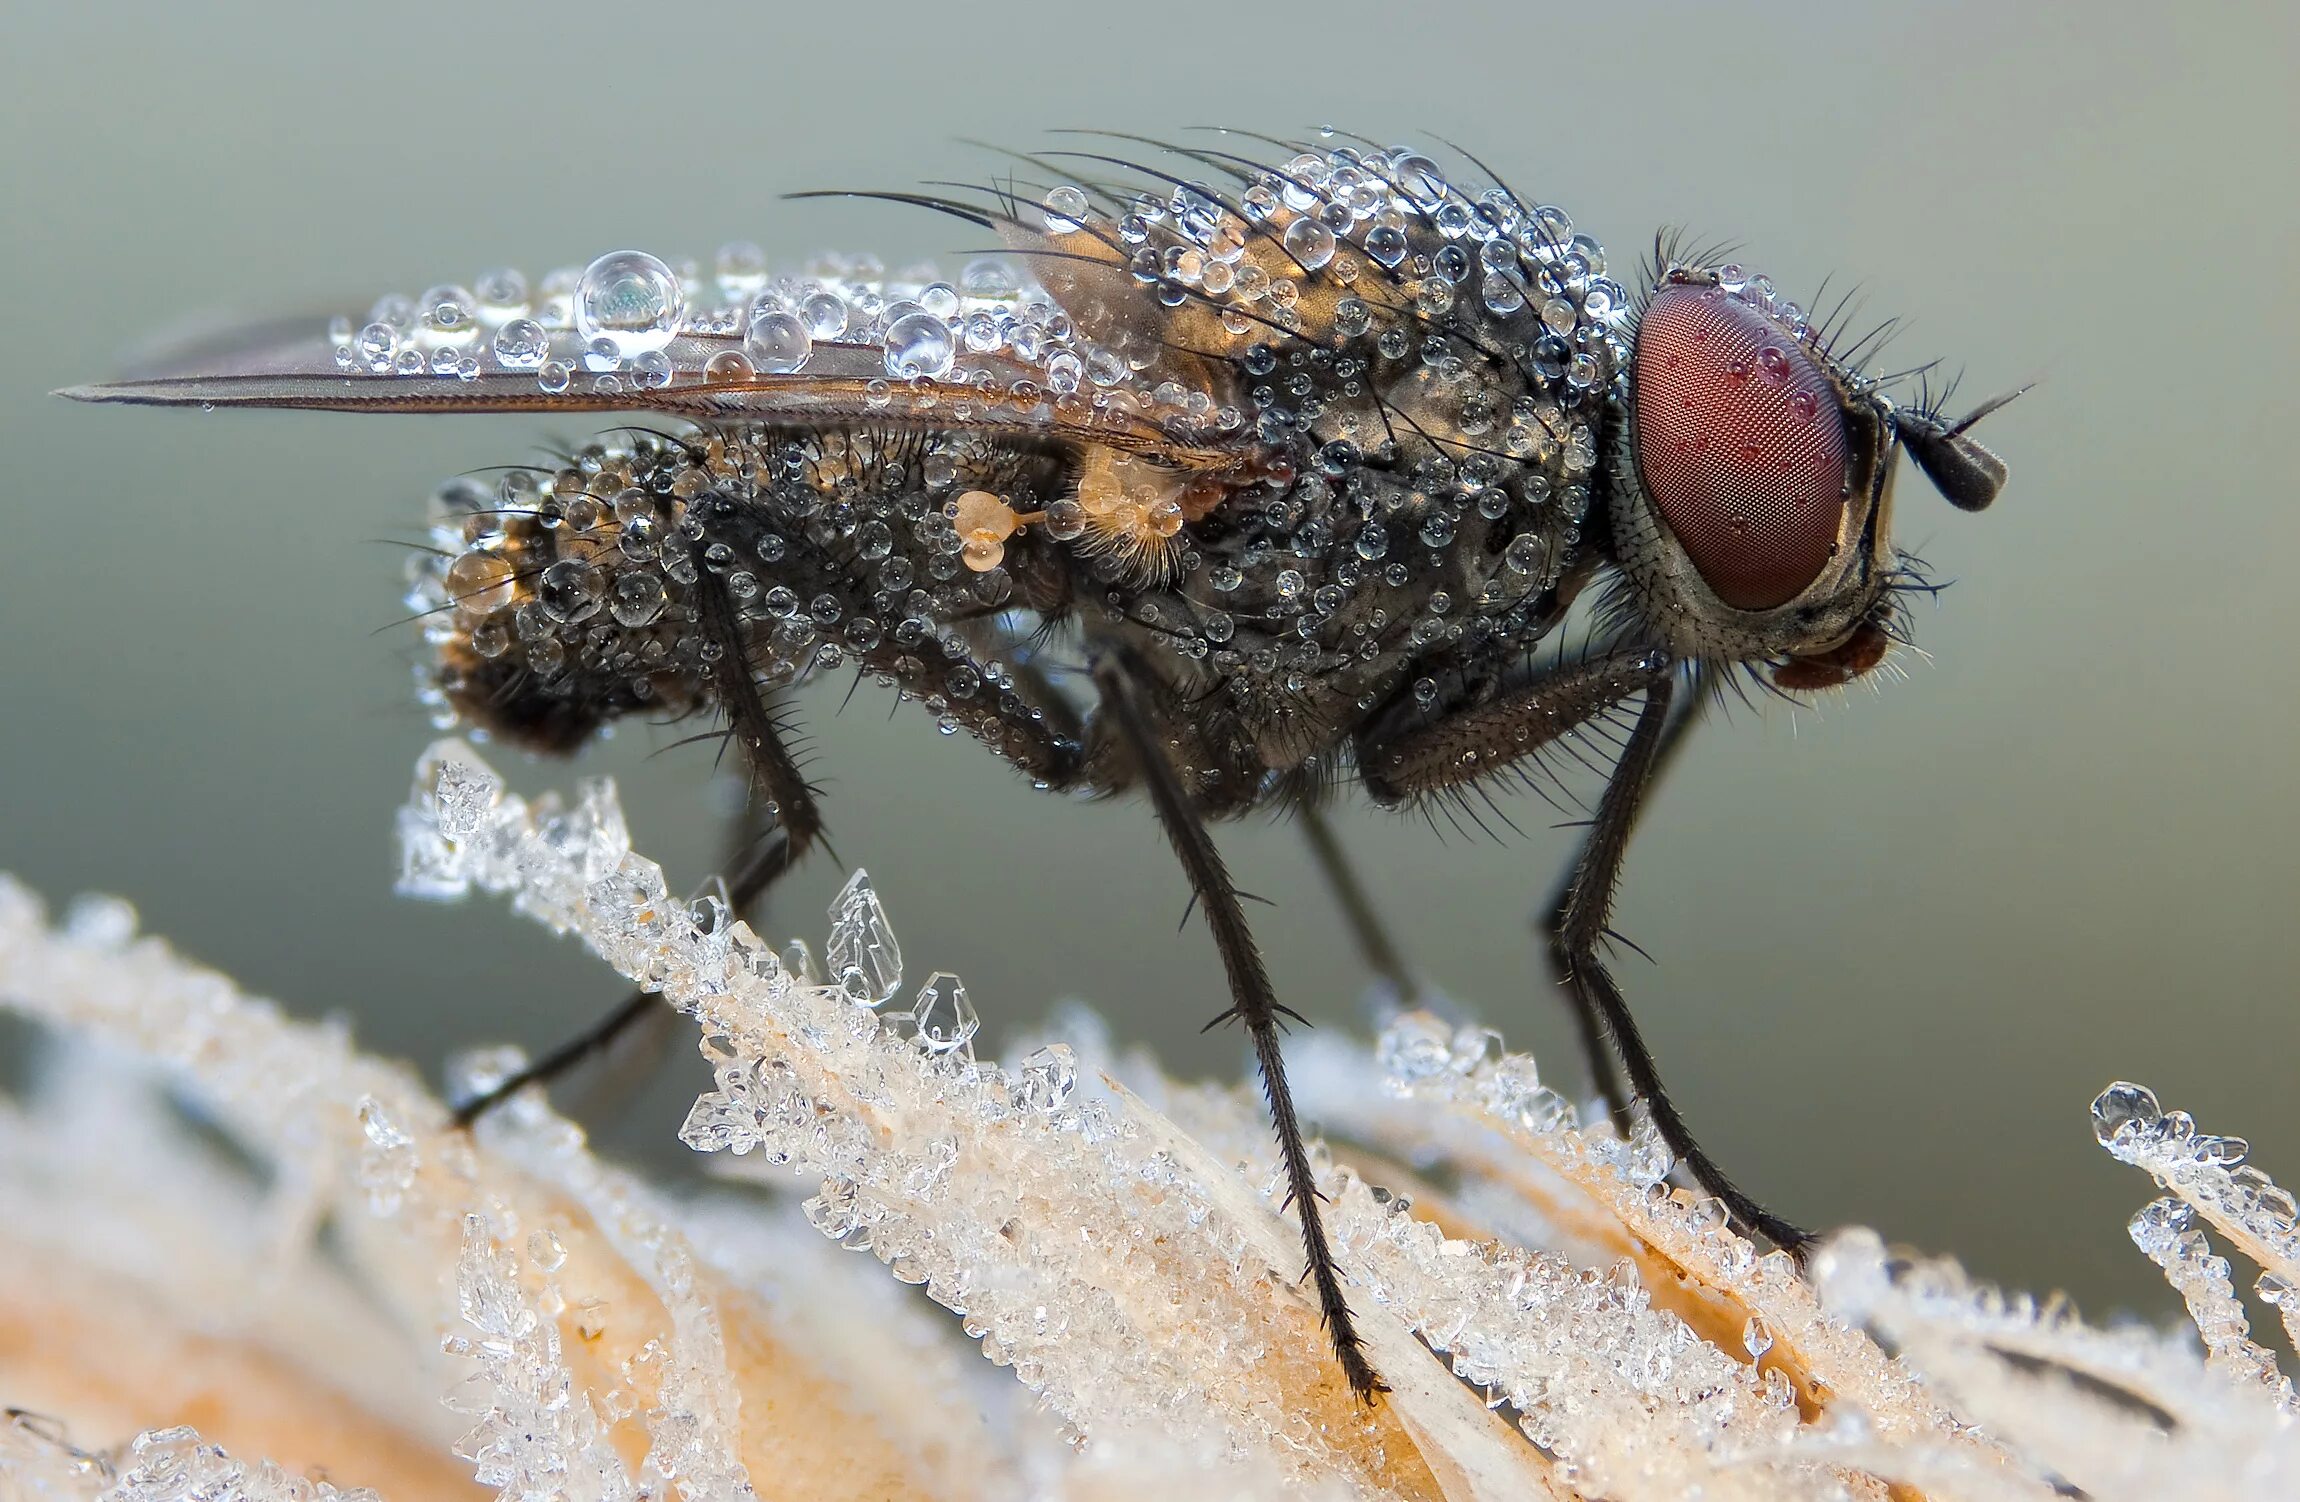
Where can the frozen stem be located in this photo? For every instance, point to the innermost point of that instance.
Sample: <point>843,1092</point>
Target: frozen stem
<point>1560,1321</point>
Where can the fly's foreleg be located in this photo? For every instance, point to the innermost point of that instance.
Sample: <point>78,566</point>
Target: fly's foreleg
<point>1484,738</point>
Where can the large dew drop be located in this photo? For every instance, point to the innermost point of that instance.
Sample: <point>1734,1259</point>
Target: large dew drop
<point>777,342</point>
<point>631,298</point>
<point>522,344</point>
<point>919,344</point>
<point>1310,243</point>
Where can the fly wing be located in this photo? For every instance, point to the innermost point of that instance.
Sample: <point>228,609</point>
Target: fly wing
<point>860,349</point>
<point>1149,315</point>
<point>295,366</point>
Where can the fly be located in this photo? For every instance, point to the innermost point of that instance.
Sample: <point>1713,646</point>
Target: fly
<point>1299,455</point>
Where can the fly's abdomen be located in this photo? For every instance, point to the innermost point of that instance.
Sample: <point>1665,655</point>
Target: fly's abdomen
<point>558,600</point>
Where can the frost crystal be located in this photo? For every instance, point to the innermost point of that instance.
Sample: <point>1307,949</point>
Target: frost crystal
<point>945,1019</point>
<point>1557,1320</point>
<point>864,958</point>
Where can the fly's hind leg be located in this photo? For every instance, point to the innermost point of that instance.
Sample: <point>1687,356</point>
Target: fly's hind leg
<point>780,794</point>
<point>746,883</point>
<point>1483,738</point>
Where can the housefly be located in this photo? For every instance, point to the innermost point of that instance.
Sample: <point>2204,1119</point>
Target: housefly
<point>1236,478</point>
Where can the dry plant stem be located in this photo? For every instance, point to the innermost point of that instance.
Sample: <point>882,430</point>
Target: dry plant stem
<point>1120,1246</point>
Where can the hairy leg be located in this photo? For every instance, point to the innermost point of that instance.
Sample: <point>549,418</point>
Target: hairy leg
<point>1375,946</point>
<point>1252,999</point>
<point>1485,738</point>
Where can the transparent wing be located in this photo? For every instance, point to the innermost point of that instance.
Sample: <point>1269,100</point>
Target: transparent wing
<point>846,345</point>
<point>297,367</point>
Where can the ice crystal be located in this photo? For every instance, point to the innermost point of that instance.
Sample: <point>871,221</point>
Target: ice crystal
<point>1559,1320</point>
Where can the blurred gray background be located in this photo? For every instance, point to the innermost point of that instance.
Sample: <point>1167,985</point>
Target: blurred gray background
<point>1900,942</point>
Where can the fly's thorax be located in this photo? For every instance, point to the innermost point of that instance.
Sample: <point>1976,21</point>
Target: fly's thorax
<point>1751,484</point>
<point>1308,605</point>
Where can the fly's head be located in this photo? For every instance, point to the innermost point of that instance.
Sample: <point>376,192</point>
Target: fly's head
<point>1753,484</point>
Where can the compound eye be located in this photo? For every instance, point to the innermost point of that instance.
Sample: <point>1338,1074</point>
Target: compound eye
<point>1740,443</point>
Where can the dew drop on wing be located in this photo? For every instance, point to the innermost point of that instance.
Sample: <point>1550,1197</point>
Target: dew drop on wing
<point>630,299</point>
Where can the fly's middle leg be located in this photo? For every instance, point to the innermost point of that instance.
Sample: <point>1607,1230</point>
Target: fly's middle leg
<point>1123,691</point>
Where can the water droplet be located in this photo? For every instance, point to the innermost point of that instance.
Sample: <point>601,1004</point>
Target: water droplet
<point>376,345</point>
<point>631,298</point>
<point>1524,553</point>
<point>1065,209</point>
<point>778,342</point>
<point>1386,244</point>
<point>554,375</point>
<point>989,277</point>
<point>727,367</point>
<point>1419,179</point>
<point>1310,243</point>
<point>919,345</point>
<point>450,314</point>
<point>502,294</point>
<point>651,371</point>
<point>480,582</point>
<point>824,313</point>
<point>940,299</point>
<point>638,597</point>
<point>1774,363</point>
<point>1802,405</point>
<point>571,590</point>
<point>741,267</point>
<point>521,344</point>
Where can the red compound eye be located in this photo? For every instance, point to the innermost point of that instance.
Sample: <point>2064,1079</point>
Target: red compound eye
<point>1740,443</point>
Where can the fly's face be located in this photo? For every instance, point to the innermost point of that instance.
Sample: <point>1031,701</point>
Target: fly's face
<point>1753,485</point>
